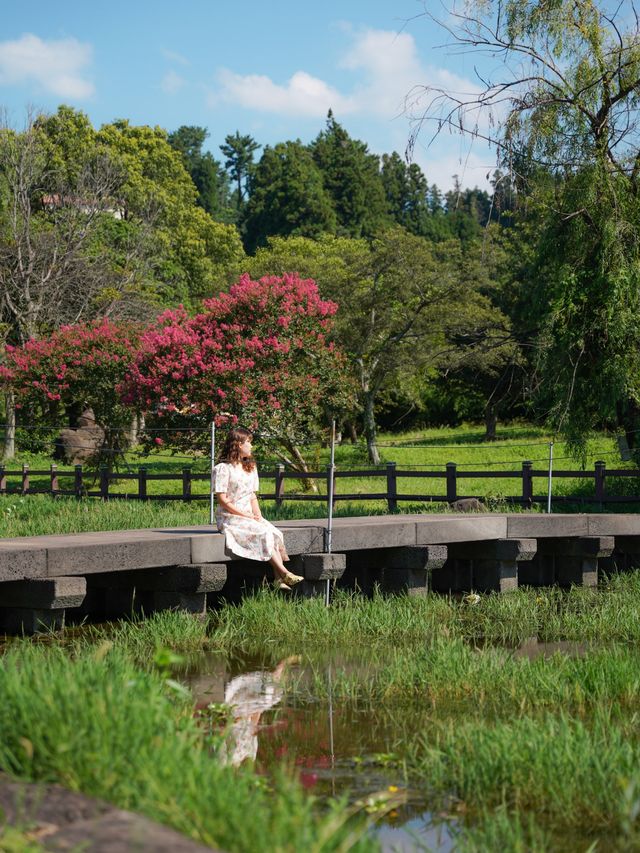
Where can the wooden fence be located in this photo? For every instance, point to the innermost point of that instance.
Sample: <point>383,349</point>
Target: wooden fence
<point>98,484</point>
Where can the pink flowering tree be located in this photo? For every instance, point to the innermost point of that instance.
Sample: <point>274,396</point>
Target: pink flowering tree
<point>78,366</point>
<point>259,356</point>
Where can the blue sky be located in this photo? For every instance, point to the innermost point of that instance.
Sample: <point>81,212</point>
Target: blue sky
<point>268,69</point>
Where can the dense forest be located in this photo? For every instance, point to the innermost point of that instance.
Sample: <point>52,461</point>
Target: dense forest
<point>464,304</point>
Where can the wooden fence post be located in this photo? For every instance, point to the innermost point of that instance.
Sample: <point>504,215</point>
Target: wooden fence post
<point>452,491</point>
<point>392,487</point>
<point>104,482</point>
<point>77,481</point>
<point>186,484</point>
<point>599,476</point>
<point>279,485</point>
<point>3,480</point>
<point>527,483</point>
<point>25,479</point>
<point>55,488</point>
<point>142,483</point>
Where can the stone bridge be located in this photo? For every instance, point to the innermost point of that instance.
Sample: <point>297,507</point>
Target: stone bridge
<point>45,580</point>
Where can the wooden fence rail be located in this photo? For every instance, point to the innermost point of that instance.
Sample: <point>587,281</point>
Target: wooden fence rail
<point>81,483</point>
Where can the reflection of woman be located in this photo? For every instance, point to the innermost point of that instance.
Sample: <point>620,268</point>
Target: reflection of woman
<point>247,533</point>
<point>250,695</point>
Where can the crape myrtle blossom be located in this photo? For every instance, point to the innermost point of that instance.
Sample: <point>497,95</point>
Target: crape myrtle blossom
<point>259,355</point>
<point>81,364</point>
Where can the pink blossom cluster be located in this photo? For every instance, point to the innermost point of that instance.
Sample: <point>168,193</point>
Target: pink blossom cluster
<point>259,354</point>
<point>250,354</point>
<point>81,363</point>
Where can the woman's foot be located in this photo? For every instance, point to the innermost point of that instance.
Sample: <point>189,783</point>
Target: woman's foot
<point>280,585</point>
<point>291,580</point>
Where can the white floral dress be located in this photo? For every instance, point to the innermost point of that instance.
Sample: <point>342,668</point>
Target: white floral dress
<point>244,537</point>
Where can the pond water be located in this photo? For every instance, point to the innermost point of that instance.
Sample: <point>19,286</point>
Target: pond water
<point>335,748</point>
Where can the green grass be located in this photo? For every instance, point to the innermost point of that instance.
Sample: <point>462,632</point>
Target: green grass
<point>428,449</point>
<point>580,778</point>
<point>581,614</point>
<point>15,839</point>
<point>526,754</point>
<point>97,724</point>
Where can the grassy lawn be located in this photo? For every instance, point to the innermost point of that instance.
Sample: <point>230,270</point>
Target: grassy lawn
<point>428,450</point>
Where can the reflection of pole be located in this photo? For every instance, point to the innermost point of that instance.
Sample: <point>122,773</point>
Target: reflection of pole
<point>331,747</point>
<point>550,476</point>
<point>332,468</point>
<point>213,462</point>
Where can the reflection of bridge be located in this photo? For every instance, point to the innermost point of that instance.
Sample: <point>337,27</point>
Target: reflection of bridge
<point>104,575</point>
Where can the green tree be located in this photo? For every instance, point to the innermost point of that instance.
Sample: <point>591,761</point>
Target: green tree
<point>405,307</point>
<point>206,172</point>
<point>238,150</point>
<point>351,176</point>
<point>53,209</point>
<point>570,123</point>
<point>407,194</point>
<point>193,251</point>
<point>288,197</point>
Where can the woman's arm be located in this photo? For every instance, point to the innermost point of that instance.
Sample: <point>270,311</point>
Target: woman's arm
<point>226,504</point>
<point>255,507</point>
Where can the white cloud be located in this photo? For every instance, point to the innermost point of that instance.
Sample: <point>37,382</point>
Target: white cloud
<point>57,66</point>
<point>172,83</point>
<point>391,80</point>
<point>301,95</point>
<point>174,56</point>
<point>471,167</point>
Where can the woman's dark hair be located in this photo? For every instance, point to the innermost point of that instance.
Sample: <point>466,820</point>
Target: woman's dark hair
<point>231,450</point>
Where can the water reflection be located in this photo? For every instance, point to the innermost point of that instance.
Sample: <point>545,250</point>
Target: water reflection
<point>336,747</point>
<point>533,648</point>
<point>249,695</point>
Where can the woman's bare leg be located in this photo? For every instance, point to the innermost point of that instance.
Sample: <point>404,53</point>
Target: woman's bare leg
<point>279,570</point>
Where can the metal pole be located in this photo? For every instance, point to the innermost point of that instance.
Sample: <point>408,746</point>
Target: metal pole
<point>330,509</point>
<point>550,476</point>
<point>213,462</point>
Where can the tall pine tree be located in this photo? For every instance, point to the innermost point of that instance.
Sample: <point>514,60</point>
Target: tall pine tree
<point>288,197</point>
<point>352,178</point>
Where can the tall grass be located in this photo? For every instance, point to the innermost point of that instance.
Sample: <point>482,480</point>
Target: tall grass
<point>98,724</point>
<point>577,776</point>
<point>450,677</point>
<point>611,612</point>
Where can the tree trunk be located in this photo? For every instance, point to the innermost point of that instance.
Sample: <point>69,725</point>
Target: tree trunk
<point>353,432</point>
<point>9,450</point>
<point>299,463</point>
<point>490,423</point>
<point>370,428</point>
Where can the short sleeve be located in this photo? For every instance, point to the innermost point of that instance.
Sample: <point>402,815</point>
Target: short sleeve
<point>255,482</point>
<point>221,478</point>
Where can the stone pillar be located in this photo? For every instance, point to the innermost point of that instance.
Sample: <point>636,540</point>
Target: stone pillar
<point>148,590</point>
<point>567,561</point>
<point>625,556</point>
<point>407,569</point>
<point>31,606</point>
<point>316,569</point>
<point>486,566</point>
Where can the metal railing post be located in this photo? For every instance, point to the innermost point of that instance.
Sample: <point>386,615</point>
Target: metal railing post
<point>332,468</point>
<point>212,451</point>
